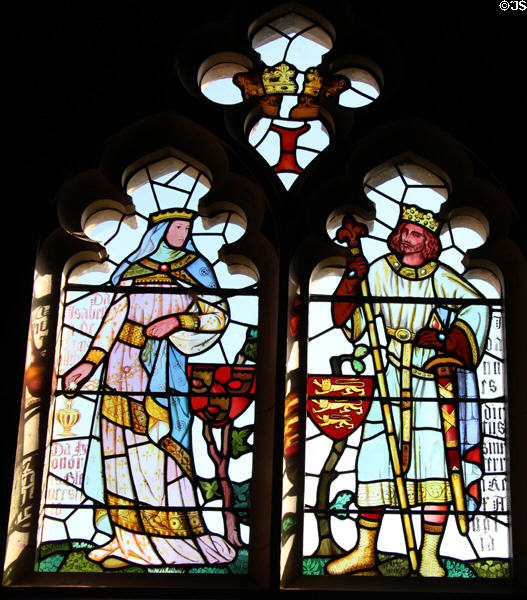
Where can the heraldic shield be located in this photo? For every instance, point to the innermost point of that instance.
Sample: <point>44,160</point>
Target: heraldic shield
<point>220,393</point>
<point>338,405</point>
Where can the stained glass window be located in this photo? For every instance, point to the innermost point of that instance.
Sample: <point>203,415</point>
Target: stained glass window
<point>395,456</point>
<point>405,460</point>
<point>291,131</point>
<point>148,458</point>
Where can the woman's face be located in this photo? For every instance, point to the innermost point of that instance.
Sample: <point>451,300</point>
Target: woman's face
<point>177,233</point>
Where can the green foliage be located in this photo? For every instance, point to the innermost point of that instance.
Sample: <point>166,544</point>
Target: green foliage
<point>242,494</point>
<point>239,443</point>
<point>242,499</point>
<point>358,366</point>
<point>60,557</point>
<point>210,570</point>
<point>250,345</point>
<point>457,568</point>
<point>341,503</point>
<point>50,564</point>
<point>360,352</point>
<point>491,568</point>
<point>288,526</point>
<point>314,566</point>
<point>240,566</point>
<point>51,547</point>
<point>398,565</point>
<point>82,545</point>
<point>210,489</point>
<point>393,565</point>
<point>77,562</point>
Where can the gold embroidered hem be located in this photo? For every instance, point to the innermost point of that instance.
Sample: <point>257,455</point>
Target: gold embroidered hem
<point>180,455</point>
<point>139,417</point>
<point>122,411</point>
<point>129,413</point>
<point>189,322</point>
<point>156,411</point>
<point>115,408</point>
<point>431,528</point>
<point>363,522</point>
<point>384,493</point>
<point>160,522</point>
<point>155,278</point>
<point>173,523</point>
<point>127,518</point>
<point>179,263</point>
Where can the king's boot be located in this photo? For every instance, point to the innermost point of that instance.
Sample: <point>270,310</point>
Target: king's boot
<point>362,557</point>
<point>430,566</point>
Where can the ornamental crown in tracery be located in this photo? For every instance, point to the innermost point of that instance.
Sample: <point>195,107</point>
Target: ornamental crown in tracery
<point>291,87</point>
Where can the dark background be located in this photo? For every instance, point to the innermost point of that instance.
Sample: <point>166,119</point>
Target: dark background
<point>73,73</point>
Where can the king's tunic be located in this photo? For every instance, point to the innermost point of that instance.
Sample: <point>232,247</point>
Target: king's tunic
<point>421,427</point>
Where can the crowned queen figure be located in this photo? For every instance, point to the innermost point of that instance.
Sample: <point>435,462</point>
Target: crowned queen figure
<point>164,313</point>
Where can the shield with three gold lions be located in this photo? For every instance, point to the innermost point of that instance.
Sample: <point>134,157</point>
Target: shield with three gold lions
<point>338,405</point>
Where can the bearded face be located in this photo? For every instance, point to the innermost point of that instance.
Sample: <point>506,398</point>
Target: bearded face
<point>410,239</point>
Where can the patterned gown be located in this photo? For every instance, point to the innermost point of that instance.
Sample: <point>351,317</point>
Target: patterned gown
<point>148,480</point>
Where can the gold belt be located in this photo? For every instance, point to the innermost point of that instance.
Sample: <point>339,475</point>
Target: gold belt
<point>403,335</point>
<point>416,372</point>
<point>133,334</point>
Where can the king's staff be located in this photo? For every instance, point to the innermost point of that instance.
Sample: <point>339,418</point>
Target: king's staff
<point>409,453</point>
<point>352,234</point>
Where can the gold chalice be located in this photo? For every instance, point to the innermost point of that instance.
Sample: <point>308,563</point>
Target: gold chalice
<point>68,417</point>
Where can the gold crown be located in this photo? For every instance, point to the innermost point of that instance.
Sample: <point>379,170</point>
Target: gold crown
<point>412,214</point>
<point>279,79</point>
<point>173,213</point>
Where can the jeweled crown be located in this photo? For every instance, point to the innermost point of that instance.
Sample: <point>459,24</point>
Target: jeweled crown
<point>412,214</point>
<point>173,214</point>
<point>279,79</point>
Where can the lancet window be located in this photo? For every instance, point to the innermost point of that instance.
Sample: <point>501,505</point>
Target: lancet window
<point>148,459</point>
<point>159,452</point>
<point>405,468</point>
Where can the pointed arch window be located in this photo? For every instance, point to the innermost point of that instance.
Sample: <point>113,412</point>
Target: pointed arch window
<point>141,455</point>
<point>148,464</point>
<point>154,349</point>
<point>403,448</point>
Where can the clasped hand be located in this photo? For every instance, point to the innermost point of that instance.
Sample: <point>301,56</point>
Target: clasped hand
<point>163,327</point>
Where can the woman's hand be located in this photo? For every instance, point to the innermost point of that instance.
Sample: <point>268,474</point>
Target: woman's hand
<point>163,327</point>
<point>78,375</point>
